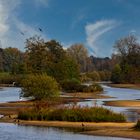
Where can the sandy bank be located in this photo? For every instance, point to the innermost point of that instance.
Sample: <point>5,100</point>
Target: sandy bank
<point>101,129</point>
<point>123,103</point>
<point>131,86</point>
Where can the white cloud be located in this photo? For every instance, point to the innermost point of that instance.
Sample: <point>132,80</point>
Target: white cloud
<point>95,31</point>
<point>11,27</point>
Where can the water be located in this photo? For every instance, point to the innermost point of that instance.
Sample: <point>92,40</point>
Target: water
<point>15,132</point>
<point>8,94</point>
<point>118,94</point>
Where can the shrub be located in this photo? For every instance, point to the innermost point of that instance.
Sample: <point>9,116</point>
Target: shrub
<point>75,86</point>
<point>70,85</point>
<point>94,76</point>
<point>93,88</point>
<point>40,86</point>
<point>6,78</point>
<point>76,114</point>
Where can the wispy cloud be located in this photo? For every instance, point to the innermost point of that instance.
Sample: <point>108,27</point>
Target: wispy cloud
<point>95,31</point>
<point>11,27</point>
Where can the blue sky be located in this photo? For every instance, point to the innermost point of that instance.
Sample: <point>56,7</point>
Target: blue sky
<point>95,23</point>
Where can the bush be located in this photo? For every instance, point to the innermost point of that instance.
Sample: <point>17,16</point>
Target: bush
<point>70,85</point>
<point>77,114</point>
<point>75,86</point>
<point>6,78</point>
<point>94,76</point>
<point>40,86</point>
<point>93,88</point>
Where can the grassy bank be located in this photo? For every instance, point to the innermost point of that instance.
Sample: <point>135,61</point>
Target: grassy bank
<point>72,114</point>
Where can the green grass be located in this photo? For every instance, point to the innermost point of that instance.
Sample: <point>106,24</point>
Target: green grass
<point>73,114</point>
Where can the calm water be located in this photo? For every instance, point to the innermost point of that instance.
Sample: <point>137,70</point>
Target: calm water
<point>9,94</point>
<point>117,94</point>
<point>15,132</point>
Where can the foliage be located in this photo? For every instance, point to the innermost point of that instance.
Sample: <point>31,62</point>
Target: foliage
<point>84,78</point>
<point>94,76</point>
<point>51,58</point>
<point>73,114</point>
<point>40,86</point>
<point>128,50</point>
<point>80,54</point>
<point>116,74</point>
<point>75,86</point>
<point>93,88</point>
<point>7,78</point>
<point>70,85</point>
<point>105,75</point>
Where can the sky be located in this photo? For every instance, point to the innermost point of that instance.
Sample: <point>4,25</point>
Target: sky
<point>95,23</point>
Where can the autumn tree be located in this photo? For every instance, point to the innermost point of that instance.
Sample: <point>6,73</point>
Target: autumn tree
<point>49,57</point>
<point>80,54</point>
<point>13,59</point>
<point>128,50</point>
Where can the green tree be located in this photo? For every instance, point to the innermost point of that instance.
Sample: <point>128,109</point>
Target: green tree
<point>36,55</point>
<point>50,57</point>
<point>116,74</point>
<point>40,86</point>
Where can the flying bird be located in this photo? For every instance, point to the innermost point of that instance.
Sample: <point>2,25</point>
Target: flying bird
<point>40,29</point>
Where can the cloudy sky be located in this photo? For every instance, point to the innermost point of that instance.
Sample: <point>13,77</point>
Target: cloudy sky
<point>95,23</point>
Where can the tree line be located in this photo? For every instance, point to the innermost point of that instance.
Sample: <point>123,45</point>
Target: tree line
<point>50,57</point>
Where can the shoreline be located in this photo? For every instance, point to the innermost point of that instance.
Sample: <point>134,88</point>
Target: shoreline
<point>130,86</point>
<point>123,130</point>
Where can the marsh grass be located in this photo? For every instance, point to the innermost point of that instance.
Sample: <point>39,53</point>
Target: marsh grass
<point>72,114</point>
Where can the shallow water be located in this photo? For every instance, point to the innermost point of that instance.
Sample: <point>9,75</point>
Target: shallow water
<point>15,132</point>
<point>9,94</point>
<point>117,94</point>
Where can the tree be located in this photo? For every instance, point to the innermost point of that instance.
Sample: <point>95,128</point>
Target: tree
<point>36,55</point>
<point>80,54</point>
<point>40,86</point>
<point>94,76</point>
<point>50,57</point>
<point>12,59</point>
<point>128,50</point>
<point>116,74</point>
